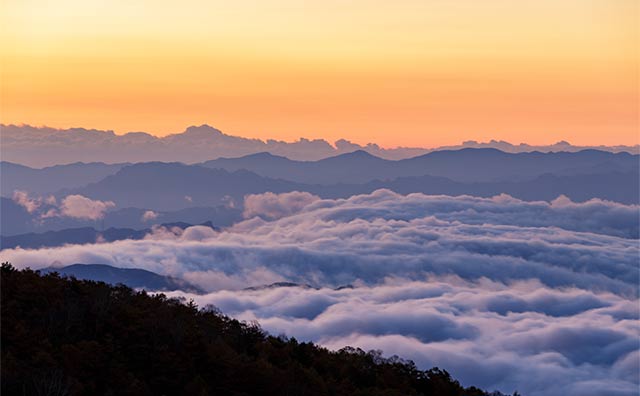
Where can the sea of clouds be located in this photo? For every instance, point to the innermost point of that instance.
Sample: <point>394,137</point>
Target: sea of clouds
<point>505,294</point>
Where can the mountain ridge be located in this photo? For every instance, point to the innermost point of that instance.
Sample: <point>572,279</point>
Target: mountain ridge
<point>43,146</point>
<point>114,340</point>
<point>136,278</point>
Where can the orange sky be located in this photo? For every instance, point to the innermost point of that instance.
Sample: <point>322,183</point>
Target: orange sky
<point>409,73</point>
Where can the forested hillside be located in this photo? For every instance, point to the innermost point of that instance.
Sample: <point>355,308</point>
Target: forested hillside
<point>63,336</point>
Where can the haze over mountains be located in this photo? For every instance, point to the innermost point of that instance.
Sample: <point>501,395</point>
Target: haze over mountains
<point>42,146</point>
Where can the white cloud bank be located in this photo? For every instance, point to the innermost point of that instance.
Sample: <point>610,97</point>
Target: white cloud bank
<point>505,294</point>
<point>524,336</point>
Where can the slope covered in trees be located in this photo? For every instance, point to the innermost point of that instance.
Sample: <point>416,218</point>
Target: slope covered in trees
<point>63,336</point>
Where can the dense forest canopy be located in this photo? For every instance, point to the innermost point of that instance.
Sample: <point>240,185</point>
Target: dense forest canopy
<point>63,336</point>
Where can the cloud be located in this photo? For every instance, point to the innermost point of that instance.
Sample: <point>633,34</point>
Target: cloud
<point>49,213</point>
<point>149,215</point>
<point>505,294</point>
<point>81,207</point>
<point>369,237</point>
<point>29,204</point>
<point>274,206</point>
<point>198,233</point>
<point>451,323</point>
<point>74,206</point>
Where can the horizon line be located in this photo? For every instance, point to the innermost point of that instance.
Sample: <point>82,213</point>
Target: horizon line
<point>333,144</point>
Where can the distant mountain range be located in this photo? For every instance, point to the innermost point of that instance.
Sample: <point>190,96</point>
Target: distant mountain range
<point>41,147</point>
<point>174,186</point>
<point>465,165</point>
<point>214,190</point>
<point>163,187</point>
<point>168,187</point>
<point>53,178</point>
<point>131,277</point>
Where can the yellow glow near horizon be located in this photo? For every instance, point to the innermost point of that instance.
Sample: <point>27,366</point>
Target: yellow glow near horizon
<point>412,73</point>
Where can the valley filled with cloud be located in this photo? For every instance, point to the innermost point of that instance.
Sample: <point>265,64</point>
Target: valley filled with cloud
<point>535,296</point>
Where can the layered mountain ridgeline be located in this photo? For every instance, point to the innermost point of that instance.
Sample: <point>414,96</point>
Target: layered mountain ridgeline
<point>167,187</point>
<point>142,194</point>
<point>466,165</point>
<point>43,146</point>
<point>53,178</point>
<point>48,146</point>
<point>70,337</point>
<point>479,172</point>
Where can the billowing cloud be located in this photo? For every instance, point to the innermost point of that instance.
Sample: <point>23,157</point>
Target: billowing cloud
<point>149,215</point>
<point>535,296</point>
<point>522,336</point>
<point>274,206</point>
<point>81,207</point>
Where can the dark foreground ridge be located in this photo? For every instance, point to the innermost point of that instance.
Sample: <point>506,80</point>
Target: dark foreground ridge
<point>63,336</point>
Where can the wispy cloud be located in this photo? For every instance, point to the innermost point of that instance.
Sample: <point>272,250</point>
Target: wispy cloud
<point>29,204</point>
<point>73,206</point>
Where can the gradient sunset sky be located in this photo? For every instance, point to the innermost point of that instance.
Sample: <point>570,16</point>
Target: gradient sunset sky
<point>398,73</point>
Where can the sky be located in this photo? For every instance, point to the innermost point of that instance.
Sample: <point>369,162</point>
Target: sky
<point>403,73</point>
